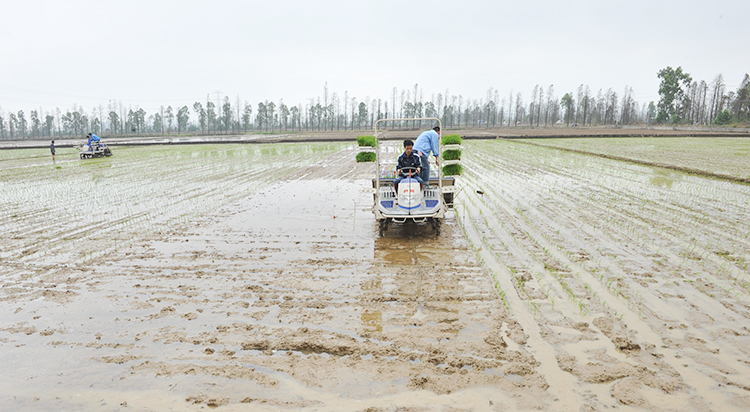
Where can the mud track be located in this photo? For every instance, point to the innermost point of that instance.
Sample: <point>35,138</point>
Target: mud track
<point>561,282</point>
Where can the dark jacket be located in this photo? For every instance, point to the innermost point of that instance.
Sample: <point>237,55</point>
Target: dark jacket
<point>410,161</point>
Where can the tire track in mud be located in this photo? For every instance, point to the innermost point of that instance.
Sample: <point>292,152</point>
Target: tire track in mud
<point>549,241</point>
<point>277,298</point>
<point>562,385</point>
<point>646,337</point>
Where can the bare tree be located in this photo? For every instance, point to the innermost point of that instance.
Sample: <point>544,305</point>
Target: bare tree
<point>717,95</point>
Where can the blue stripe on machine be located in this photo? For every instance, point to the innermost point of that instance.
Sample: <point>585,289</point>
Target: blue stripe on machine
<point>430,203</point>
<point>387,203</point>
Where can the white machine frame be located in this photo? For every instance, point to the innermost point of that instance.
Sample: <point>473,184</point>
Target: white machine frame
<point>434,195</point>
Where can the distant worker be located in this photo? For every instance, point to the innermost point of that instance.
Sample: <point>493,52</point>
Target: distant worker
<point>428,143</point>
<point>52,149</point>
<point>93,138</point>
<point>408,159</point>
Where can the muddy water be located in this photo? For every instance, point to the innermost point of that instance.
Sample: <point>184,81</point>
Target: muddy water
<point>561,282</point>
<point>285,298</point>
<point>637,278</point>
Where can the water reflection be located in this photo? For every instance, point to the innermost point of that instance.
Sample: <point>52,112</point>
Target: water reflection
<point>665,178</point>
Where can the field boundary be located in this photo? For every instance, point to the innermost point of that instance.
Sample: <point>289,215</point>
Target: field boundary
<point>699,172</point>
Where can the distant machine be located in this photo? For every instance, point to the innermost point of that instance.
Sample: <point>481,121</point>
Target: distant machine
<point>95,149</point>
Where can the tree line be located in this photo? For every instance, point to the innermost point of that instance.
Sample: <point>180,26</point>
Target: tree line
<point>682,101</point>
<point>687,101</point>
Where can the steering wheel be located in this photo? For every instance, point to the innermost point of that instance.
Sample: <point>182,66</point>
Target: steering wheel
<point>406,170</point>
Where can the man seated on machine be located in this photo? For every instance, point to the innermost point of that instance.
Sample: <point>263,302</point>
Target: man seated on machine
<point>410,161</point>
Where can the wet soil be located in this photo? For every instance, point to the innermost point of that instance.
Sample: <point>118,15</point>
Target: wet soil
<point>559,283</point>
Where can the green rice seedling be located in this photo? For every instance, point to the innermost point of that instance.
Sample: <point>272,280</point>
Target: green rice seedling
<point>452,155</point>
<point>452,139</point>
<point>365,157</point>
<point>452,170</point>
<point>366,141</point>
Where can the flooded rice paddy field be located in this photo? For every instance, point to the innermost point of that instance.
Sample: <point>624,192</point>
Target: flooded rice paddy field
<point>253,277</point>
<point>723,156</point>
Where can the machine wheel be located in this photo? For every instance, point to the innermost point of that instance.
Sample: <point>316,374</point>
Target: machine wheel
<point>383,226</point>
<point>436,225</point>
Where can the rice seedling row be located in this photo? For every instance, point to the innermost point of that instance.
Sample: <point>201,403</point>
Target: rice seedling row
<point>616,237</point>
<point>725,156</point>
<point>85,209</point>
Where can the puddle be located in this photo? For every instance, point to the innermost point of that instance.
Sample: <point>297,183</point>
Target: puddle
<point>251,284</point>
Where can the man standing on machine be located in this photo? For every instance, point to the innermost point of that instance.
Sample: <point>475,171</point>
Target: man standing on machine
<point>428,143</point>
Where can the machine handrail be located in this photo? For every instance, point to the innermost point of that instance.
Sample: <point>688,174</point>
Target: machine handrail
<point>377,152</point>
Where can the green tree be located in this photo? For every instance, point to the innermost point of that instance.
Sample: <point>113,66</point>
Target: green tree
<point>22,124</point>
<point>227,114</point>
<point>651,113</point>
<point>724,117</point>
<point>202,117</point>
<point>211,115</point>
<point>568,105</point>
<point>183,115</point>
<point>362,118</point>
<point>49,125</point>
<point>672,97</point>
<point>169,116</point>
<point>284,114</point>
<point>294,113</point>
<point>247,116</point>
<point>114,122</point>
<point>260,118</point>
<point>35,124</point>
<point>157,123</point>
<point>742,102</point>
<point>140,120</point>
<point>12,124</point>
<point>271,115</point>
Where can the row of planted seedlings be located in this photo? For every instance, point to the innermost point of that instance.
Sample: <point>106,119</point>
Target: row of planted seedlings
<point>139,196</point>
<point>663,242</point>
<point>642,203</point>
<point>508,230</point>
<point>609,214</point>
<point>724,156</point>
<point>528,254</point>
<point>680,214</point>
<point>694,200</point>
<point>658,305</point>
<point>566,211</point>
<point>490,238</point>
<point>520,212</point>
<point>220,180</point>
<point>650,298</point>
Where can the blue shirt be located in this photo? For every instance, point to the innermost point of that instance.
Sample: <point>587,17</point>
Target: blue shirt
<point>427,142</point>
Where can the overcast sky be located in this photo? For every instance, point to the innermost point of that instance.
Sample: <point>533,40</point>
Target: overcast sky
<point>175,52</point>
